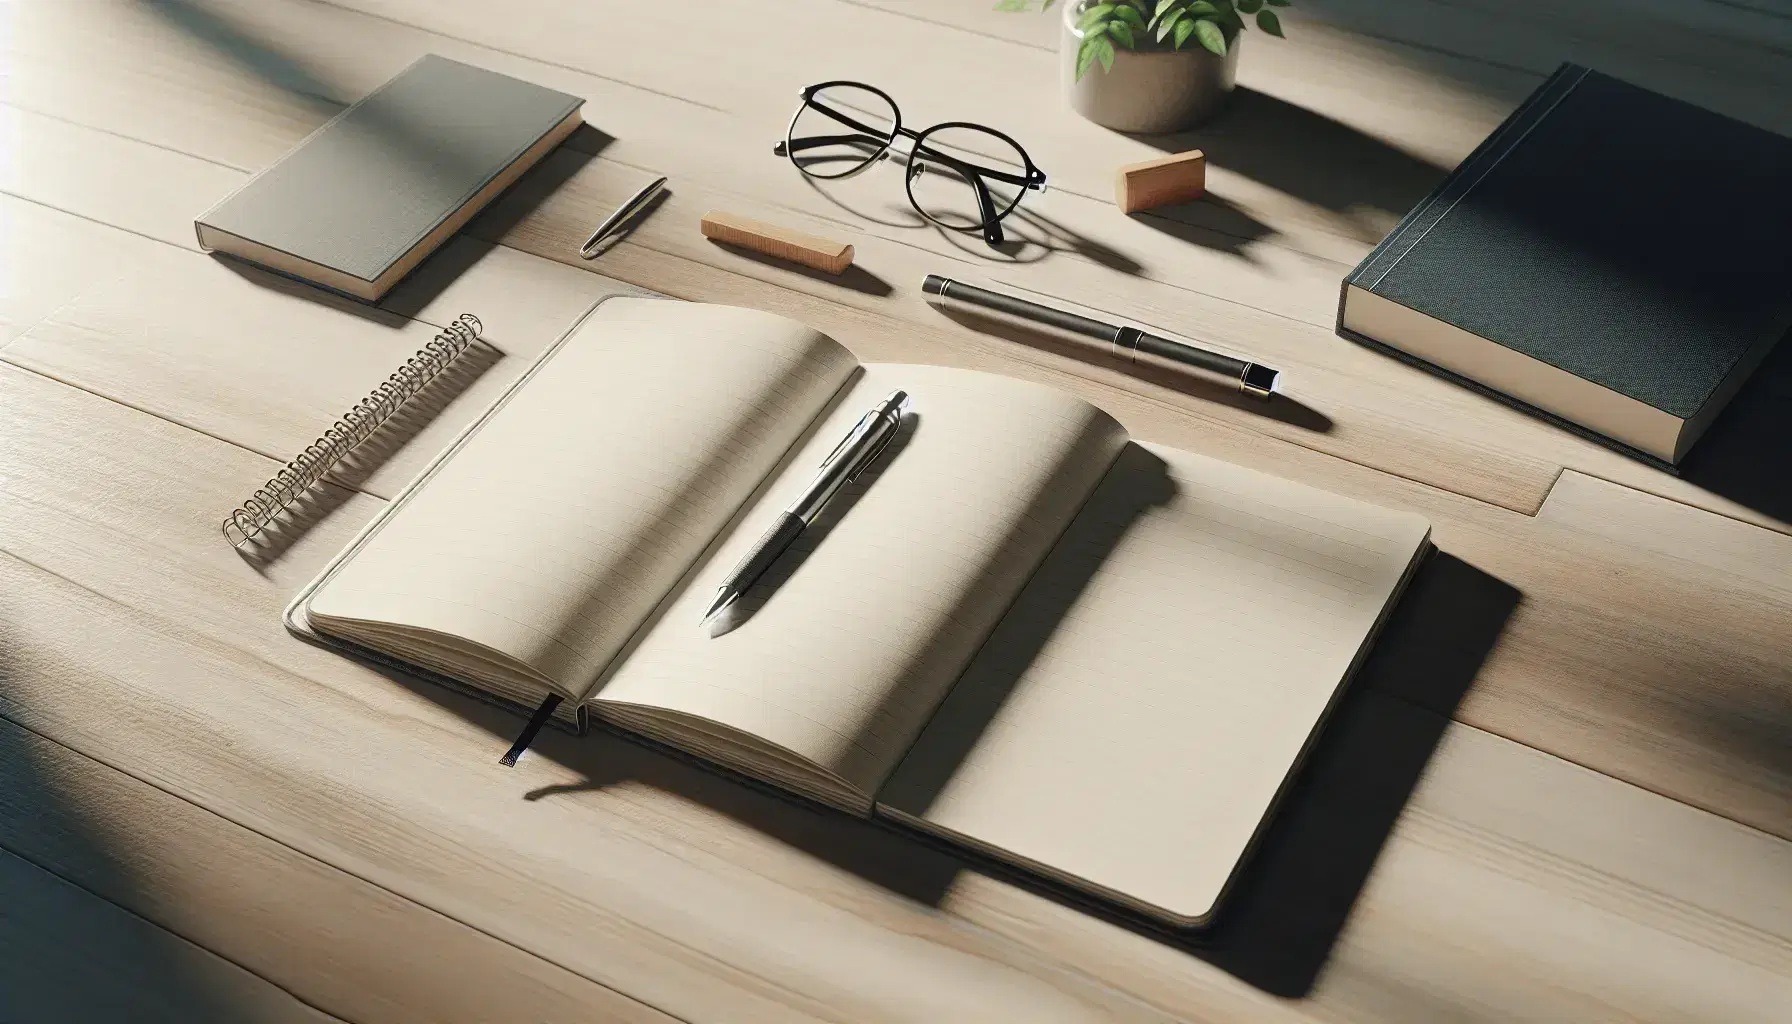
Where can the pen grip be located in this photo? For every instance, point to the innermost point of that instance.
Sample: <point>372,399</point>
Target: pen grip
<point>782,533</point>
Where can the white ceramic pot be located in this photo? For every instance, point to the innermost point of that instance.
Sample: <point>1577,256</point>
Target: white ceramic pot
<point>1147,91</point>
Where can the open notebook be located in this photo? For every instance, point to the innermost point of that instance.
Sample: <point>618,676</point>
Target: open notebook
<point>1018,630</point>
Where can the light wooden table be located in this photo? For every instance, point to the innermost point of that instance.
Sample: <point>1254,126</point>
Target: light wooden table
<point>1563,789</point>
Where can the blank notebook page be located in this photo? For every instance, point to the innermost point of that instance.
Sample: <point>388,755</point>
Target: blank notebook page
<point>1133,718</point>
<point>564,519</point>
<point>854,636</point>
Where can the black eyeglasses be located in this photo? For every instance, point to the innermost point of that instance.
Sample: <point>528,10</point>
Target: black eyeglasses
<point>961,176</point>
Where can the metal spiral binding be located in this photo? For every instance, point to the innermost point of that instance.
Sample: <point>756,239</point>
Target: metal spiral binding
<point>355,426</point>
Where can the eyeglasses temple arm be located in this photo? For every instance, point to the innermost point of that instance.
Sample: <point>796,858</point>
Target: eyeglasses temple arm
<point>1032,180</point>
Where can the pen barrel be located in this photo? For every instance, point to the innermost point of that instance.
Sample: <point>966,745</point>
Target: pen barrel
<point>1127,344</point>
<point>1150,350</point>
<point>956,296</point>
<point>782,534</point>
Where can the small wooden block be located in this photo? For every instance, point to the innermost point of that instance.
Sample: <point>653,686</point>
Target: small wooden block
<point>1160,182</point>
<point>809,250</point>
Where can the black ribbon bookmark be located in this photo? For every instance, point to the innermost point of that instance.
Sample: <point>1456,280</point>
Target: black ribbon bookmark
<point>527,736</point>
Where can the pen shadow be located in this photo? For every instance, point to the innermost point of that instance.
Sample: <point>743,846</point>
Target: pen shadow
<point>1282,407</point>
<point>766,588</point>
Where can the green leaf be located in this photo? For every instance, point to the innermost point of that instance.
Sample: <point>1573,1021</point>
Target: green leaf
<point>1200,7</point>
<point>1249,6</point>
<point>1268,22</point>
<point>1098,31</point>
<point>1011,5</point>
<point>1183,28</point>
<point>1105,54</point>
<point>1223,5</point>
<point>1095,15</point>
<point>1120,32</point>
<point>1129,16</point>
<point>1280,3</point>
<point>1164,7</point>
<point>1085,56</point>
<point>1164,26</point>
<point>1208,31</point>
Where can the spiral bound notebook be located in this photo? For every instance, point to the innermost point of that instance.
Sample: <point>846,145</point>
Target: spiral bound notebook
<point>1019,632</point>
<point>338,442</point>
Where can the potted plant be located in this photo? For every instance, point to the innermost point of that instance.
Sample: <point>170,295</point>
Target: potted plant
<point>1153,65</point>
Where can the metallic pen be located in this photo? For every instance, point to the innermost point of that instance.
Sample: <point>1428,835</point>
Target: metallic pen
<point>857,451</point>
<point>1127,343</point>
<point>622,214</point>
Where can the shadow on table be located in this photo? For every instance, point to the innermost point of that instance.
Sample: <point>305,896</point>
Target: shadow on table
<point>1212,222</point>
<point>1293,896</point>
<point>1303,153</point>
<point>1283,407</point>
<point>64,881</point>
<point>1746,455</point>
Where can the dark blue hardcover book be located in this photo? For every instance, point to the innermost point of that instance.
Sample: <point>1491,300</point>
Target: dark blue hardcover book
<point>1614,259</point>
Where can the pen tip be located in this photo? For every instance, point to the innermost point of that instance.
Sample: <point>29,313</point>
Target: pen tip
<point>724,598</point>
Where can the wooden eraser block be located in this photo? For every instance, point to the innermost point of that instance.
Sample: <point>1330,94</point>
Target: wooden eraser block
<point>1161,182</point>
<point>811,251</point>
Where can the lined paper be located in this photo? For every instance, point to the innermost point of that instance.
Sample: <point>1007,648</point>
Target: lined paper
<point>552,534</point>
<point>1131,721</point>
<point>857,633</point>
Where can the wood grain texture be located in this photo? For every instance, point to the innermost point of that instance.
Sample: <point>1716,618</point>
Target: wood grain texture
<point>138,74</point>
<point>341,944</point>
<point>132,340</point>
<point>393,784</point>
<point>68,955</point>
<point>1577,865</point>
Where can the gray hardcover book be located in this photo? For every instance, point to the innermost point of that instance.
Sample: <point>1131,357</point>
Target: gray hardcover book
<point>1610,257</point>
<point>362,200</point>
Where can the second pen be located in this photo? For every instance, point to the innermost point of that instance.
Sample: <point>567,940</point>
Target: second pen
<point>1126,343</point>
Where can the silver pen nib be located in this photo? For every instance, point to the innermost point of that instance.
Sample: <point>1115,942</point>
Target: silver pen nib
<point>724,597</point>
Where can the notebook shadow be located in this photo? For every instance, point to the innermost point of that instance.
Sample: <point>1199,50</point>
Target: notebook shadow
<point>1283,407</point>
<point>537,185</point>
<point>273,280</point>
<point>1294,894</point>
<point>1292,900</point>
<point>1746,453</point>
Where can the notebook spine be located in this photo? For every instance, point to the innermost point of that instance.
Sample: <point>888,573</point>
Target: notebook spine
<point>255,514</point>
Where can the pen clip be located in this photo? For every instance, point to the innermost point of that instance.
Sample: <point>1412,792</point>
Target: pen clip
<point>875,453</point>
<point>851,436</point>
